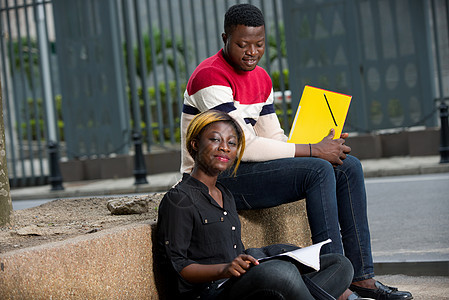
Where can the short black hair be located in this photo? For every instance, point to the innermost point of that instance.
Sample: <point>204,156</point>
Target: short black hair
<point>242,14</point>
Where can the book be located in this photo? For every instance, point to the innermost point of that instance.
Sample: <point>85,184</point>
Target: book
<point>308,256</point>
<point>318,111</point>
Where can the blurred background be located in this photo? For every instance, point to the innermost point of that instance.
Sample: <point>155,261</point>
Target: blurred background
<point>94,88</point>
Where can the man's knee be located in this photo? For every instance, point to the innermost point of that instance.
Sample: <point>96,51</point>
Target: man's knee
<point>352,162</point>
<point>351,167</point>
<point>342,265</point>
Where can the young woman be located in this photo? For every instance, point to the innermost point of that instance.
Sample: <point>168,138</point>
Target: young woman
<point>199,237</point>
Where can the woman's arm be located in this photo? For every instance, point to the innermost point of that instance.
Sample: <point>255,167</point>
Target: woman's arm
<point>197,273</point>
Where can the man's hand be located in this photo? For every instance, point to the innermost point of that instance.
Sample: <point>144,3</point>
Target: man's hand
<point>239,265</point>
<point>344,135</point>
<point>334,151</point>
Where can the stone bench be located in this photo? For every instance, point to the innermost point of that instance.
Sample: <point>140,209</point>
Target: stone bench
<point>287,223</point>
<point>118,263</point>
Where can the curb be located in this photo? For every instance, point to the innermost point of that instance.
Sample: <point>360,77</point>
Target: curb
<point>419,170</point>
<point>416,268</point>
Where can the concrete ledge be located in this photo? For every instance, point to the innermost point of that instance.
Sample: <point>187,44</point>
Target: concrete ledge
<point>368,146</point>
<point>118,263</point>
<point>287,223</point>
<point>424,142</point>
<point>114,264</point>
<point>119,167</point>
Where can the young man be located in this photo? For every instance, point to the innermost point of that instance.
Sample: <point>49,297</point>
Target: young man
<point>273,171</point>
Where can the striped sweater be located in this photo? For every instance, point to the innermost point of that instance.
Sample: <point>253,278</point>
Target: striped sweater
<point>247,96</point>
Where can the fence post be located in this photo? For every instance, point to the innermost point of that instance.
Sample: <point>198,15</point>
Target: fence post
<point>52,145</point>
<point>444,134</point>
<point>140,171</point>
<point>55,172</point>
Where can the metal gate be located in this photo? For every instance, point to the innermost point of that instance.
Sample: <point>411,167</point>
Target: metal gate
<point>377,51</point>
<point>89,79</point>
<point>92,76</point>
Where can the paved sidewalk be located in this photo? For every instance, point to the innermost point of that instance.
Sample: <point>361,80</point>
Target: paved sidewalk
<point>162,182</point>
<point>421,287</point>
<point>156,183</point>
<point>403,166</point>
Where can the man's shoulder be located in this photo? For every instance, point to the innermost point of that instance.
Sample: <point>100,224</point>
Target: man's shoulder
<point>213,64</point>
<point>209,74</point>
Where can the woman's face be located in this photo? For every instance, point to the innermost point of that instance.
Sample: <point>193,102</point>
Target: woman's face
<point>216,148</point>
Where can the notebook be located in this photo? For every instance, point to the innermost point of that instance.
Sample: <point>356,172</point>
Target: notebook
<point>318,111</point>
<point>308,256</point>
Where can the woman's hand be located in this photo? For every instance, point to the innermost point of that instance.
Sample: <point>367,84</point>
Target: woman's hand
<point>334,151</point>
<point>239,265</point>
<point>197,273</point>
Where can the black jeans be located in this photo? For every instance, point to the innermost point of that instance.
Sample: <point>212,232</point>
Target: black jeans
<point>282,279</point>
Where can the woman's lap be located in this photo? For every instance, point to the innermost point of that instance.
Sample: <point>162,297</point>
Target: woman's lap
<point>281,279</point>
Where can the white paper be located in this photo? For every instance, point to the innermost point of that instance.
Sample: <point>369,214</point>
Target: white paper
<point>309,256</point>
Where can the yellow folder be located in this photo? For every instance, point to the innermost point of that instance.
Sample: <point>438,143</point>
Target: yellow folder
<point>318,111</point>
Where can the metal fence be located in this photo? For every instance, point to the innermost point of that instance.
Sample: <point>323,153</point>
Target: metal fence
<point>26,76</point>
<point>61,95</point>
<point>158,44</point>
<point>169,39</point>
<point>378,51</point>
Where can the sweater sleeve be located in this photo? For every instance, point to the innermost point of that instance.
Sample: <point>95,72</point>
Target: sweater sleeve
<point>268,123</point>
<point>261,148</point>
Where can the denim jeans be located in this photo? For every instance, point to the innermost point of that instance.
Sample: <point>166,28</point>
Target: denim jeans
<point>282,279</point>
<point>335,201</point>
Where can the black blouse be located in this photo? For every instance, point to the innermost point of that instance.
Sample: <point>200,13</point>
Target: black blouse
<point>193,228</point>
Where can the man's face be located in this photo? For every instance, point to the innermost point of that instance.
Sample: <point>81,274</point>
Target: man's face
<point>244,47</point>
